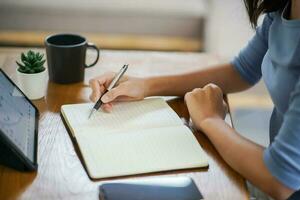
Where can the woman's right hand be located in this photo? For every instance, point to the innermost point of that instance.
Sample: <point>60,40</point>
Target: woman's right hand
<point>127,89</point>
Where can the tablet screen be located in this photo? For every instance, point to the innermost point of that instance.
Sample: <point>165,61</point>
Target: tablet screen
<point>17,118</point>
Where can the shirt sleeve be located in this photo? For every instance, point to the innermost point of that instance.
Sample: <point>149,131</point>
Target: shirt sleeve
<point>249,60</point>
<point>282,157</point>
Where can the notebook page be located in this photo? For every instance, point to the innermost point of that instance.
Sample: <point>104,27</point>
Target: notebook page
<point>148,113</point>
<point>141,151</point>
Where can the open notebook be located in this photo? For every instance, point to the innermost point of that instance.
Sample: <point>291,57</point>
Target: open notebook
<point>137,137</point>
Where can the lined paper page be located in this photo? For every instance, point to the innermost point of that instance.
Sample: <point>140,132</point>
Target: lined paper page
<point>148,113</point>
<point>140,151</point>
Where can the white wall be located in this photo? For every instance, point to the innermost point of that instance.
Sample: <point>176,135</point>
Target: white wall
<point>228,27</point>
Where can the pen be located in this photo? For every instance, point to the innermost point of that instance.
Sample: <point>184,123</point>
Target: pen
<point>111,86</point>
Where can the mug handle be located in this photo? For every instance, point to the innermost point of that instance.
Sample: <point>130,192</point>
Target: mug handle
<point>93,46</point>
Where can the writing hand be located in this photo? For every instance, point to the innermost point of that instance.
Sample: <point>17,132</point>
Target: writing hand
<point>128,89</point>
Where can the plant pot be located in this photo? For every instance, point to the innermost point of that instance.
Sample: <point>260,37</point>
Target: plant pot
<point>33,85</point>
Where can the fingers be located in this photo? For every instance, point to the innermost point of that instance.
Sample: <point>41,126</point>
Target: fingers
<point>209,89</point>
<point>107,107</point>
<point>114,93</point>
<point>190,95</point>
<point>105,79</point>
<point>206,102</point>
<point>95,90</point>
<point>99,84</point>
<point>213,88</point>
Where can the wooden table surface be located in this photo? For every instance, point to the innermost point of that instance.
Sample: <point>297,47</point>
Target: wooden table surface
<point>61,175</point>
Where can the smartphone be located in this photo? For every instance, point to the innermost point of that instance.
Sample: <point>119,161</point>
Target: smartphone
<point>165,188</point>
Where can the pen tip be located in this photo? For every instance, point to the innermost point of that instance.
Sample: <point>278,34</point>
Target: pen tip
<point>92,111</point>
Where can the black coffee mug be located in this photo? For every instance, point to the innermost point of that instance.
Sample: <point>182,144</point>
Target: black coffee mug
<point>66,57</point>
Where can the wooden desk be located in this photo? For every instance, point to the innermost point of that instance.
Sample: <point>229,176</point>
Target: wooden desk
<point>61,174</point>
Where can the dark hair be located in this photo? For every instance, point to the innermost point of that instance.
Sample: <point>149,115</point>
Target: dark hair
<point>257,7</point>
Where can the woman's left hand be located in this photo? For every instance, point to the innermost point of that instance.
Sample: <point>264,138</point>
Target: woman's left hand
<point>205,103</point>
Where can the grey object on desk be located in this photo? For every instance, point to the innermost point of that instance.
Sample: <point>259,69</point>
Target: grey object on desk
<point>167,188</point>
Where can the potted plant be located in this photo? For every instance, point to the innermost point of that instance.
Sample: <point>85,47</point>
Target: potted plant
<point>31,75</point>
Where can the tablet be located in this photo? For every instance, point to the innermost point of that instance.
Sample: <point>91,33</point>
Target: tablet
<point>18,127</point>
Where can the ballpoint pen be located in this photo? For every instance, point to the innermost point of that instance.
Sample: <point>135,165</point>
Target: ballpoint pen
<point>111,86</point>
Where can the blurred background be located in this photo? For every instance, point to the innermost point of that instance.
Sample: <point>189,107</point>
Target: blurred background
<point>191,25</point>
<point>211,26</point>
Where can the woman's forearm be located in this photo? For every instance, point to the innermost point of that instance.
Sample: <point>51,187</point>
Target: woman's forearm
<point>244,156</point>
<point>224,76</point>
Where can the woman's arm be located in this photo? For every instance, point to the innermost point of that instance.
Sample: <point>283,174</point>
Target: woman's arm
<point>244,156</point>
<point>132,88</point>
<point>224,76</point>
<point>207,112</point>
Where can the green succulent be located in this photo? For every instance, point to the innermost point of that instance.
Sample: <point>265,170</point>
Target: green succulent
<point>32,63</point>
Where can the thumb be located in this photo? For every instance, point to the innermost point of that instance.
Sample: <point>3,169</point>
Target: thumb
<point>113,94</point>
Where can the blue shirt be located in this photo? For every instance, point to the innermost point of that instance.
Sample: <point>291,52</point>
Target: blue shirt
<point>274,54</point>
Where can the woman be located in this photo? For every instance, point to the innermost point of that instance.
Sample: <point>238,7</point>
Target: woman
<point>274,54</point>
